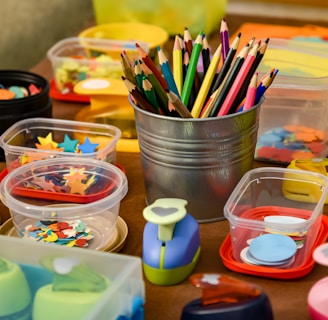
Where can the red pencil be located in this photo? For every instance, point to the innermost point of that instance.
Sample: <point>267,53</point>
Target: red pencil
<point>251,93</point>
<point>151,65</point>
<point>237,84</point>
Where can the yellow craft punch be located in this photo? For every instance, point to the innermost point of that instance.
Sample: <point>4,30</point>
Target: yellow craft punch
<point>109,105</point>
<point>308,189</point>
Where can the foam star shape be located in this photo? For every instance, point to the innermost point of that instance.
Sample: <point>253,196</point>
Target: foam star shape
<point>68,144</point>
<point>75,173</point>
<point>77,186</point>
<point>87,146</point>
<point>48,139</point>
<point>43,183</point>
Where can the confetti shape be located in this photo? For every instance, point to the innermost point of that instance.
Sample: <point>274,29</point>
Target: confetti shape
<point>87,146</point>
<point>47,140</point>
<point>68,145</point>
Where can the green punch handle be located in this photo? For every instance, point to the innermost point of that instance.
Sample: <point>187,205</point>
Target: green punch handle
<point>165,212</point>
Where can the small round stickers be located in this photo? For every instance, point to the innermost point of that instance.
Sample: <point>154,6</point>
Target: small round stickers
<point>274,250</point>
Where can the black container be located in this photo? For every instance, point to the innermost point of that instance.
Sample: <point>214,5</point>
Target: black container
<point>38,105</point>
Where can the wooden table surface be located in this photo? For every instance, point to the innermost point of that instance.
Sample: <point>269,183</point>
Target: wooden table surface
<point>288,297</point>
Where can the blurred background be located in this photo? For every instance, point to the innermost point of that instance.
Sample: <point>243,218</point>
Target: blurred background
<point>30,28</point>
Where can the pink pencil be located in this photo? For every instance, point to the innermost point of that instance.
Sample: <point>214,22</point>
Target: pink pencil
<point>251,93</point>
<point>237,84</point>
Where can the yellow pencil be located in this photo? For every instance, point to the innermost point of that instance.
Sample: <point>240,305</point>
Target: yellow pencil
<point>207,82</point>
<point>177,64</point>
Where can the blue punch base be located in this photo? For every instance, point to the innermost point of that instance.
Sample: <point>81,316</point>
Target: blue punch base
<point>170,262</point>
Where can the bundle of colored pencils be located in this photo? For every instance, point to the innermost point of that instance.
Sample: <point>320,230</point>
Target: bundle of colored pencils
<point>228,83</point>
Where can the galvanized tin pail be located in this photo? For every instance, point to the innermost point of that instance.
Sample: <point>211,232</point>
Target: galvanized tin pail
<point>199,160</point>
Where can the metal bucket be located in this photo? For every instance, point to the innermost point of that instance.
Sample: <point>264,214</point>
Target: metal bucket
<point>199,160</point>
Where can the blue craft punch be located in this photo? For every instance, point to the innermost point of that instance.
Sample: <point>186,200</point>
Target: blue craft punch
<point>171,242</point>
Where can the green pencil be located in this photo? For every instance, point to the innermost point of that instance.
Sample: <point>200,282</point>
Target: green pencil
<point>149,92</point>
<point>192,69</point>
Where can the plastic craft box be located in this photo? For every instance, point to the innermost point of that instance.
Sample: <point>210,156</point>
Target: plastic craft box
<point>19,140</point>
<point>280,193</point>
<point>74,60</point>
<point>72,194</point>
<point>293,119</point>
<point>124,297</point>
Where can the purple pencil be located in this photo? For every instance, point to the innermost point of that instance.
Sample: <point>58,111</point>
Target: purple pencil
<point>224,35</point>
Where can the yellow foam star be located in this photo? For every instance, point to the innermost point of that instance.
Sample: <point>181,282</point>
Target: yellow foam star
<point>47,140</point>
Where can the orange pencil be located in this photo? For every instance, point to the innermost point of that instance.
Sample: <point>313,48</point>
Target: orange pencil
<point>251,93</point>
<point>151,65</point>
<point>239,81</point>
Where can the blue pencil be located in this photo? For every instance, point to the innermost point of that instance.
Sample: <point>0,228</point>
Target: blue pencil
<point>167,72</point>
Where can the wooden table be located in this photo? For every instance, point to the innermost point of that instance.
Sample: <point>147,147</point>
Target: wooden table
<point>288,298</point>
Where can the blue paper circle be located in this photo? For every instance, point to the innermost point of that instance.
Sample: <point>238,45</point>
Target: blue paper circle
<point>272,248</point>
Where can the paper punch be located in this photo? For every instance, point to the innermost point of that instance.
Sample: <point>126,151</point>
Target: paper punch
<point>171,242</point>
<point>306,190</point>
<point>225,297</point>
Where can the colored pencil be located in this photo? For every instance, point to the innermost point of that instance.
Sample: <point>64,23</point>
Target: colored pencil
<point>160,92</point>
<point>192,69</point>
<point>251,93</point>
<point>206,84</point>
<point>264,85</point>
<point>151,65</point>
<point>224,36</point>
<point>209,104</point>
<point>227,63</point>
<point>178,105</point>
<point>138,73</point>
<point>149,93</point>
<point>166,70</point>
<point>127,67</point>
<point>188,42</point>
<point>228,81</point>
<point>251,42</point>
<point>189,46</point>
<point>239,81</point>
<point>206,57</point>
<point>177,64</point>
<point>185,66</point>
<point>242,92</point>
<point>138,97</point>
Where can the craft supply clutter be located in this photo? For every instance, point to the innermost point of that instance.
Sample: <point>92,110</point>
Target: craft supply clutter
<point>198,116</point>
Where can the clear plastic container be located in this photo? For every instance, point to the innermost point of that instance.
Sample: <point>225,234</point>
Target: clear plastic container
<point>75,59</point>
<point>293,118</point>
<point>276,201</point>
<point>124,297</point>
<point>82,195</point>
<point>20,141</point>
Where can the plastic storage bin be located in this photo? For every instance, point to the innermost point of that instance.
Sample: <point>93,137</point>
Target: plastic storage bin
<point>280,202</point>
<point>65,201</point>
<point>74,60</point>
<point>293,119</point>
<point>122,299</point>
<point>20,141</point>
